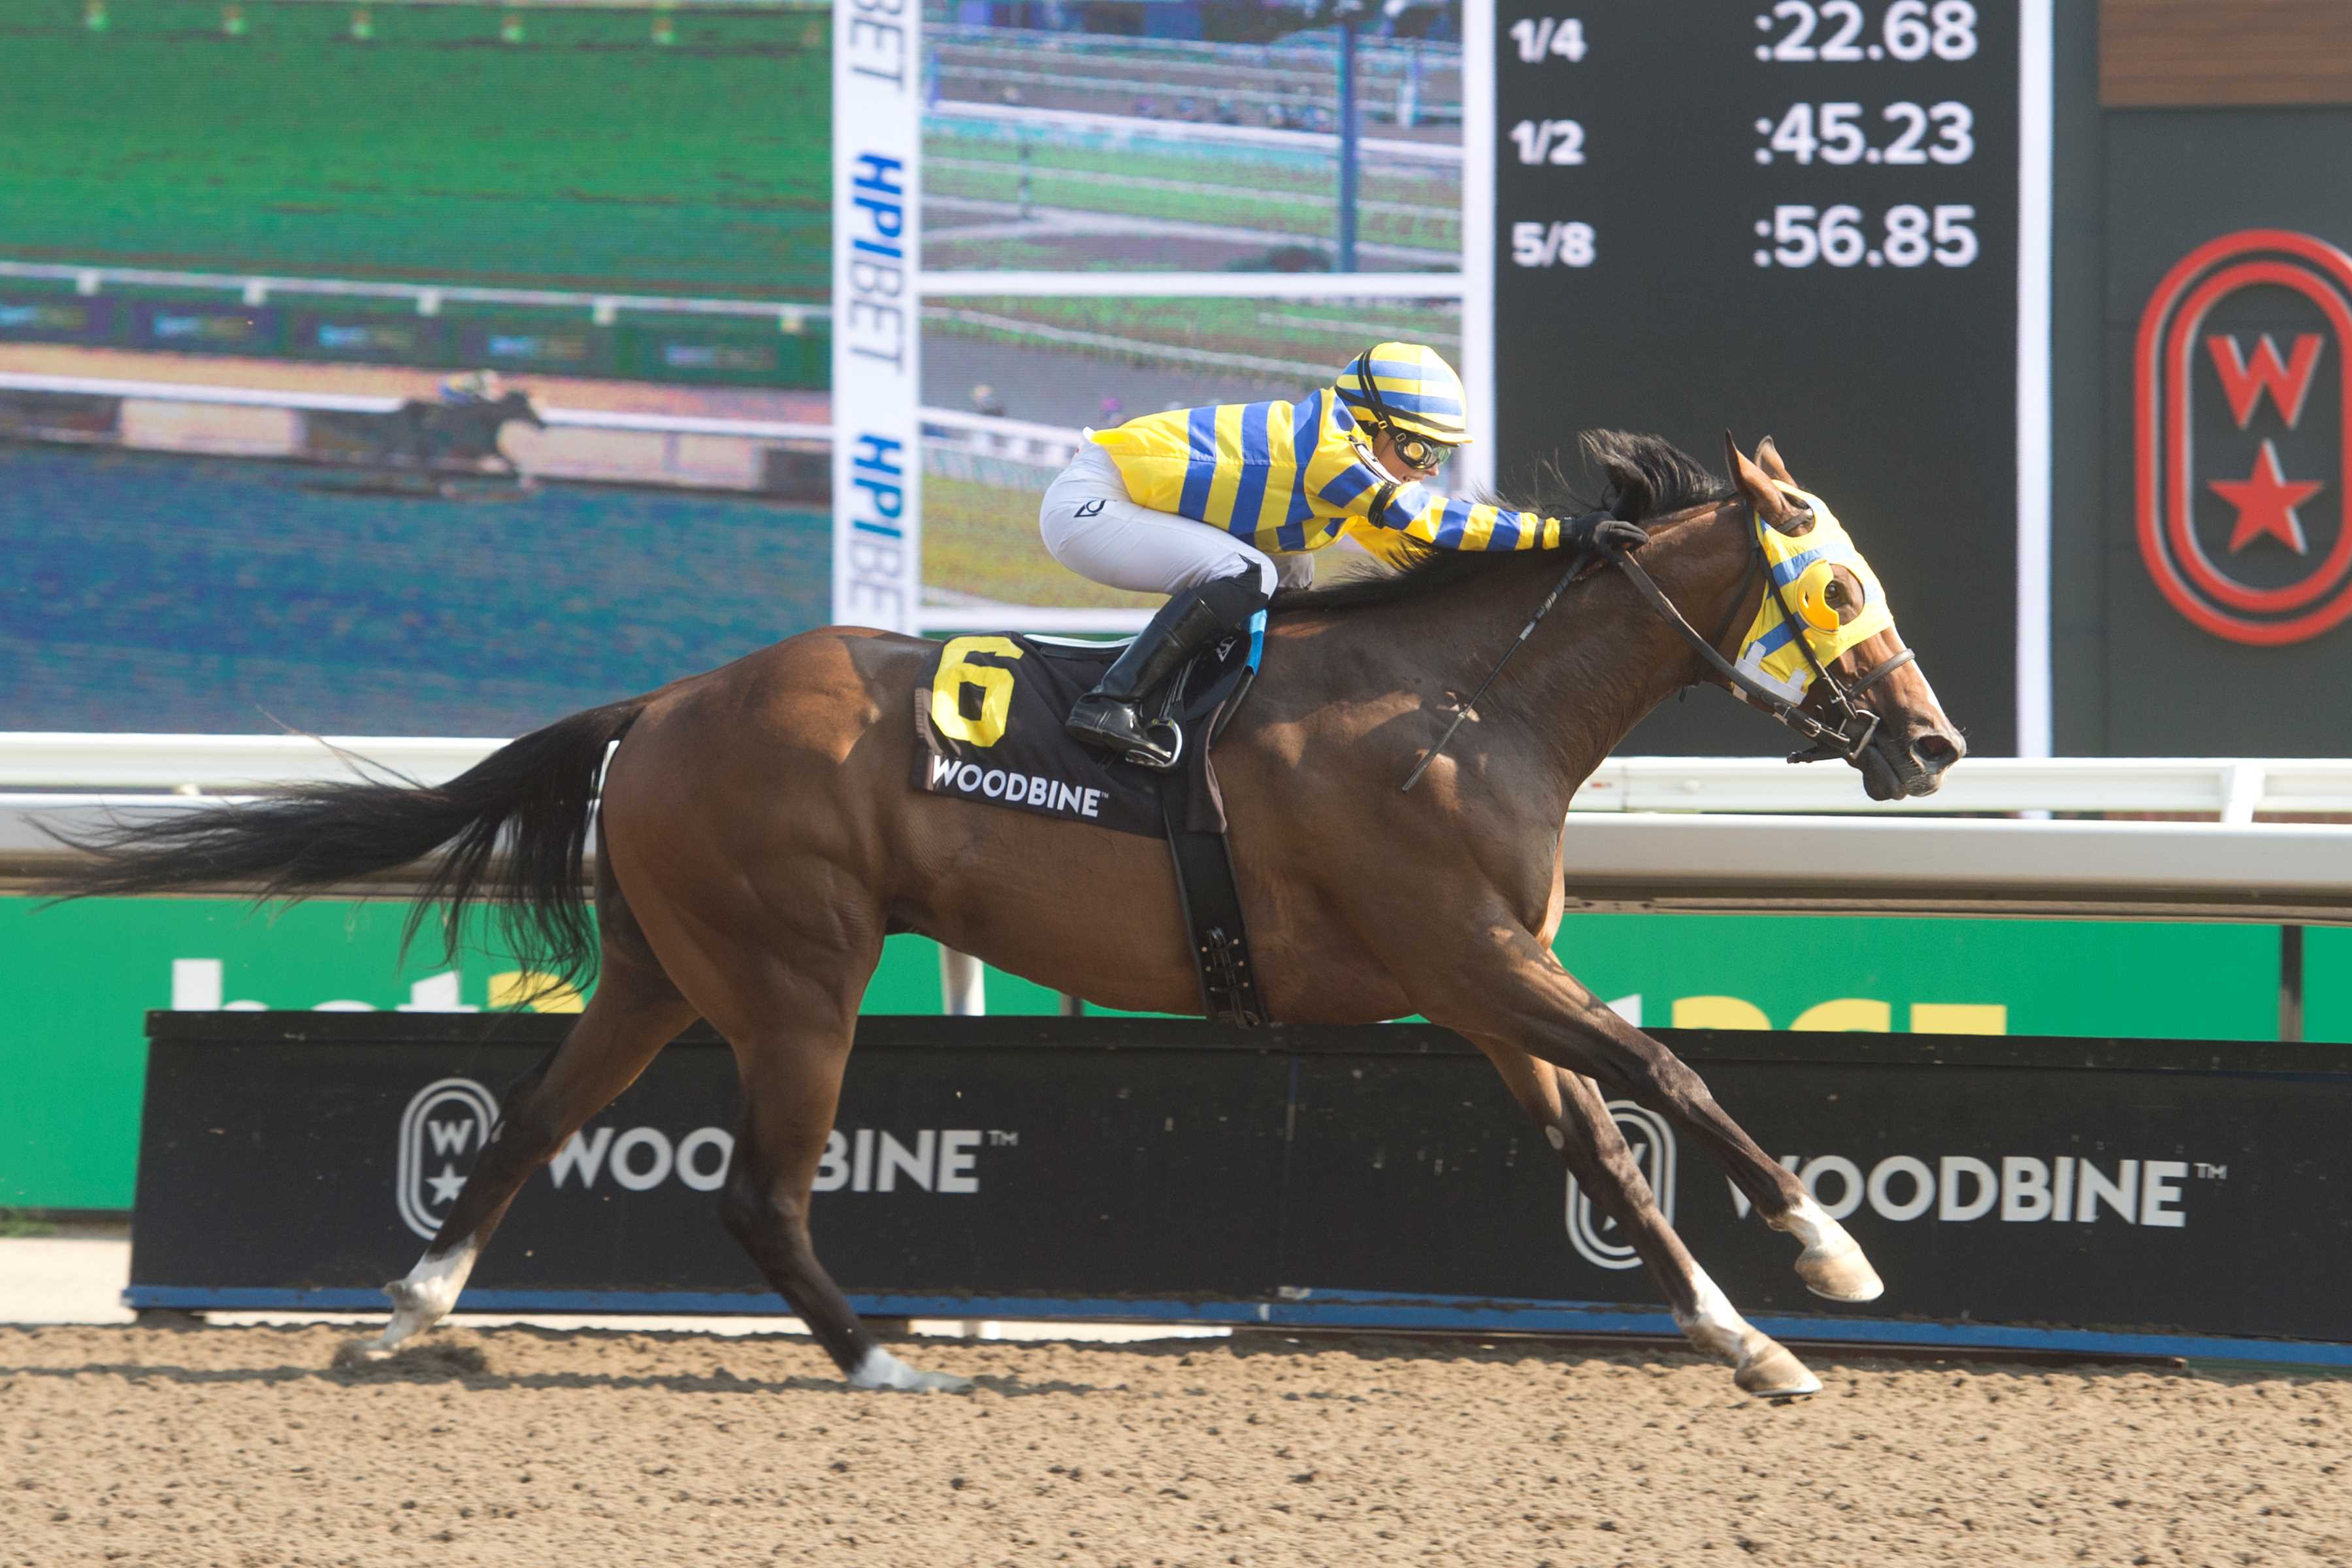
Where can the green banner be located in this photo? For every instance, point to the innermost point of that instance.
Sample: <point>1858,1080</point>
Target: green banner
<point>80,977</point>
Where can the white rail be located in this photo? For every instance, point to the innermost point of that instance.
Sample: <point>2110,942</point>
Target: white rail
<point>979,432</point>
<point>256,289</point>
<point>356,403</point>
<point>933,284</point>
<point>217,764</point>
<point>2274,873</point>
<point>944,115</point>
<point>995,433</point>
<point>2227,789</point>
<point>1298,52</point>
<point>2294,873</point>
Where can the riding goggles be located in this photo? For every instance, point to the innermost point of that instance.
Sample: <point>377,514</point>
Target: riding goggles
<point>1417,451</point>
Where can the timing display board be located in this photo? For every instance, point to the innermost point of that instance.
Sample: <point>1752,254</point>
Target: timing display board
<point>1798,219</point>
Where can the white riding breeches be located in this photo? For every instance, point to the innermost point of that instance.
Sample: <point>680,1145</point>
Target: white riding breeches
<point>1092,527</point>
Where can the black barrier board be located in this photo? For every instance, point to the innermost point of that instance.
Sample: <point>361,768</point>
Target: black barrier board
<point>333,1153</point>
<point>1158,1169</point>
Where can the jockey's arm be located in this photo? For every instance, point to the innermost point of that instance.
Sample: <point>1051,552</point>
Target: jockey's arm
<point>1418,512</point>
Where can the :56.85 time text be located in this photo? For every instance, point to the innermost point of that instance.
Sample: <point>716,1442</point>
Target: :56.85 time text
<point>1910,235</point>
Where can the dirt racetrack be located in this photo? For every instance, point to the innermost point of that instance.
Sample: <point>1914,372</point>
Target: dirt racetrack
<point>245,1448</point>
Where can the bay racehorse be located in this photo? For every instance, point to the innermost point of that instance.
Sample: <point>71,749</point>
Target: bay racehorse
<point>758,837</point>
<point>439,441</point>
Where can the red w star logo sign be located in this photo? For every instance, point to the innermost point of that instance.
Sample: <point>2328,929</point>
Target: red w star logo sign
<point>2243,459</point>
<point>2266,503</point>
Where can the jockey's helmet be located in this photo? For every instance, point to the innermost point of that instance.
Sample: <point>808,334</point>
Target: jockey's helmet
<point>1409,389</point>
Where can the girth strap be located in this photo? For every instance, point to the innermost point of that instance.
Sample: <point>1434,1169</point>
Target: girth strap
<point>1211,903</point>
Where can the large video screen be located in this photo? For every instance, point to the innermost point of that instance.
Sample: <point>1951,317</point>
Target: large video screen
<point>417,368</point>
<point>1199,142</point>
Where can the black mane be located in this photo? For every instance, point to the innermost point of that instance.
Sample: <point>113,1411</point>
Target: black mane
<point>1643,477</point>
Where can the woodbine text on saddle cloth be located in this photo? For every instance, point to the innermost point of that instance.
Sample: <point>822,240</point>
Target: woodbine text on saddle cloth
<point>990,722</point>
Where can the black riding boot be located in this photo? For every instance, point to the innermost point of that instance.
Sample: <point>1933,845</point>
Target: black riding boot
<point>1106,717</point>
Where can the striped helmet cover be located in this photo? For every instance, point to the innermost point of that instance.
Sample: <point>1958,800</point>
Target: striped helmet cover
<point>1418,390</point>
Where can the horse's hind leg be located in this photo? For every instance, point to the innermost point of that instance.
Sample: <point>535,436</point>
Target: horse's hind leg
<point>791,1084</point>
<point>635,1012</point>
<point>1577,1122</point>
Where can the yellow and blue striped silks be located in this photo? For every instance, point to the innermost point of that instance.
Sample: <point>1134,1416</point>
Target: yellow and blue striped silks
<point>1801,564</point>
<point>1289,476</point>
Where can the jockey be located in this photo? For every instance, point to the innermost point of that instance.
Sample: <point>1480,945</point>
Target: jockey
<point>480,386</point>
<point>1221,506</point>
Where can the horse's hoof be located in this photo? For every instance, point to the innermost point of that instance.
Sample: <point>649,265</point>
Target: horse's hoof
<point>1840,1272</point>
<point>414,1310</point>
<point>942,1383</point>
<point>880,1369</point>
<point>352,1352</point>
<point>1768,1370</point>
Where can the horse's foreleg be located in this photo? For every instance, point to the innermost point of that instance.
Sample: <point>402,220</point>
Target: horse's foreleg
<point>1527,998</point>
<point>1577,1123</point>
<point>635,1013</point>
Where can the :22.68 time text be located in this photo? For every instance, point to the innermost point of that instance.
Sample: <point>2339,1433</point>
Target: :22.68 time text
<point>1837,31</point>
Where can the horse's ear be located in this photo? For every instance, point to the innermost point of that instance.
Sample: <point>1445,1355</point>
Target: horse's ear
<point>1771,503</point>
<point>1768,457</point>
<point>1753,482</point>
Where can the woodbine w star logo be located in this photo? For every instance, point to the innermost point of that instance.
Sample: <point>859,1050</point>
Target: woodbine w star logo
<point>2244,431</point>
<point>448,1122</point>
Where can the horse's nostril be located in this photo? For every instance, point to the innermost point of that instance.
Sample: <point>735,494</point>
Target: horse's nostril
<point>1935,752</point>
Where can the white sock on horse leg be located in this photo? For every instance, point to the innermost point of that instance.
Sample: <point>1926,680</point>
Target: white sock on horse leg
<point>879,1369</point>
<point>1811,1224</point>
<point>1832,1263</point>
<point>1712,1324</point>
<point>425,1298</point>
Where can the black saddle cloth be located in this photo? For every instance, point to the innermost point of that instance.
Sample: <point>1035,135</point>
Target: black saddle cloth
<point>990,719</point>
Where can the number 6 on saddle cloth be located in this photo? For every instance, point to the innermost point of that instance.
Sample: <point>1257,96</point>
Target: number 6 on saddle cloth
<point>989,721</point>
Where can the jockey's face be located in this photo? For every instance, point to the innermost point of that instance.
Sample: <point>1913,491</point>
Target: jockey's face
<point>1384,447</point>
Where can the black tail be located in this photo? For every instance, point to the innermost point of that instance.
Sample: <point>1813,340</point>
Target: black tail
<point>531,797</point>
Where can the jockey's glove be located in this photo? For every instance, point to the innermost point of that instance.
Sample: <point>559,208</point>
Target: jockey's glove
<point>1597,532</point>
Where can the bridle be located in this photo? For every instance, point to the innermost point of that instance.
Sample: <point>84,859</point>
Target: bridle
<point>1852,727</point>
<point>1846,738</point>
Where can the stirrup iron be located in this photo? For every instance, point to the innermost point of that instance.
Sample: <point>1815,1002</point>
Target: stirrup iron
<point>1157,742</point>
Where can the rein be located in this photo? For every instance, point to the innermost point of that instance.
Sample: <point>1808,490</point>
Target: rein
<point>1855,725</point>
<point>1846,738</point>
<point>1583,559</point>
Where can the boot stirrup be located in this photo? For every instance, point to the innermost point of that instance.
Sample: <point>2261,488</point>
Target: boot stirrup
<point>1153,729</point>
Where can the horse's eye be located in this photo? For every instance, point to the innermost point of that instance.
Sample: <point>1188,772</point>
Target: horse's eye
<point>1834,594</point>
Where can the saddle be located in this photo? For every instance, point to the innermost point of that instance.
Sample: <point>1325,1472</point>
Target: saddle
<point>990,722</point>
